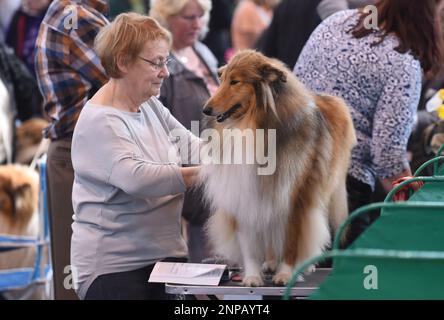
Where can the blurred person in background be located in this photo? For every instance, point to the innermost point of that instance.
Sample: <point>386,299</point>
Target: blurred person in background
<point>193,79</point>
<point>24,28</point>
<point>8,8</point>
<point>67,79</point>
<point>251,18</point>
<point>218,37</point>
<point>119,6</point>
<point>294,21</point>
<point>378,72</point>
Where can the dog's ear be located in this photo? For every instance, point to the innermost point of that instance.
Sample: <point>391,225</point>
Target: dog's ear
<point>5,184</point>
<point>271,73</point>
<point>7,201</point>
<point>220,71</point>
<point>24,202</point>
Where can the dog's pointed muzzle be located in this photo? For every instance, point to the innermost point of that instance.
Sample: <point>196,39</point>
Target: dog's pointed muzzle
<point>208,111</point>
<point>223,116</point>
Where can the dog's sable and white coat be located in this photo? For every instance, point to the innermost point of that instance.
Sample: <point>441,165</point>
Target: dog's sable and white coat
<point>287,213</point>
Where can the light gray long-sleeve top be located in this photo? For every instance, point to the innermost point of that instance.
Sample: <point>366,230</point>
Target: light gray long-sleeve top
<point>127,193</point>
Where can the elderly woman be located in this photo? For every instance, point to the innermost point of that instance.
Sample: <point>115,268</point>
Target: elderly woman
<point>128,186</point>
<point>193,78</point>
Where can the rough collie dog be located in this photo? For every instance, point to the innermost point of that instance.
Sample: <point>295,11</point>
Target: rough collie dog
<point>287,213</point>
<point>18,211</point>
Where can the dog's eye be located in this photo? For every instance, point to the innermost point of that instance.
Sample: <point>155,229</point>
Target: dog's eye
<point>233,82</point>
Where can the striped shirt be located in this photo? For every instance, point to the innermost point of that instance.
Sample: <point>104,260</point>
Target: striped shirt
<point>68,70</point>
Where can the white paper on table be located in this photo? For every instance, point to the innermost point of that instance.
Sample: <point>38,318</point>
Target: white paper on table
<point>187,273</point>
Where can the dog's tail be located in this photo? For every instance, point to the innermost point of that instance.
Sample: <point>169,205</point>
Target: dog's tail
<point>221,229</point>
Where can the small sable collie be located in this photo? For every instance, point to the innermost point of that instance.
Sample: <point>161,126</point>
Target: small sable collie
<point>278,220</point>
<point>18,211</point>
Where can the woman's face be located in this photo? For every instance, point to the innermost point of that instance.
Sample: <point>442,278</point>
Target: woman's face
<point>187,25</point>
<point>35,7</point>
<point>145,77</point>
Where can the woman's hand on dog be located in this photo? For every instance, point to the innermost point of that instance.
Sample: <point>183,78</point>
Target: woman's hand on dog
<point>189,175</point>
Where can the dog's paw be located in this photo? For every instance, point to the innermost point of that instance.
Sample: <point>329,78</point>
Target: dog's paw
<point>310,269</point>
<point>282,278</point>
<point>252,281</point>
<point>269,266</point>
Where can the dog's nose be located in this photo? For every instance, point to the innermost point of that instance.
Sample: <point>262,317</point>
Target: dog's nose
<point>208,111</point>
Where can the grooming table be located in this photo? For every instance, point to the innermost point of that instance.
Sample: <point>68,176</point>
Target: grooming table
<point>399,256</point>
<point>235,290</point>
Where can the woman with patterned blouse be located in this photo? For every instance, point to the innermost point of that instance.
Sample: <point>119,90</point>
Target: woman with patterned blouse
<point>378,72</point>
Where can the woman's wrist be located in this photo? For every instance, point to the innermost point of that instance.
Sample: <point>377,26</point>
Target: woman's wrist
<point>189,175</point>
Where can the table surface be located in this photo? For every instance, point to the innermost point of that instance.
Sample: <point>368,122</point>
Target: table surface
<point>302,288</point>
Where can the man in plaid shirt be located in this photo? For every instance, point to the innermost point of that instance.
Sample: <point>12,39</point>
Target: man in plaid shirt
<point>68,73</point>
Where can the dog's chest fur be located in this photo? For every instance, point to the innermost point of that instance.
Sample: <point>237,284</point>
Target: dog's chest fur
<point>256,201</point>
<point>263,200</point>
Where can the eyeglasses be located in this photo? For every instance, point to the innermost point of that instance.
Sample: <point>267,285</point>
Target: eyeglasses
<point>158,66</point>
<point>192,18</point>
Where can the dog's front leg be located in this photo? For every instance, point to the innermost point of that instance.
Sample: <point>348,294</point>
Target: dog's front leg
<point>270,264</point>
<point>251,260</point>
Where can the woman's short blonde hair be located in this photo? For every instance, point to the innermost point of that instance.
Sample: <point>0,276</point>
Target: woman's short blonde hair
<point>125,37</point>
<point>162,10</point>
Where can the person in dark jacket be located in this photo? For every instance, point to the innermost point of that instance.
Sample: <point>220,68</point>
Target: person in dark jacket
<point>294,21</point>
<point>218,36</point>
<point>119,6</point>
<point>23,30</point>
<point>21,84</point>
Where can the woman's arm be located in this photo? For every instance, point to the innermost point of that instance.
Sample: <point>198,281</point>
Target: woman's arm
<point>141,178</point>
<point>189,175</point>
<point>104,150</point>
<point>392,124</point>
